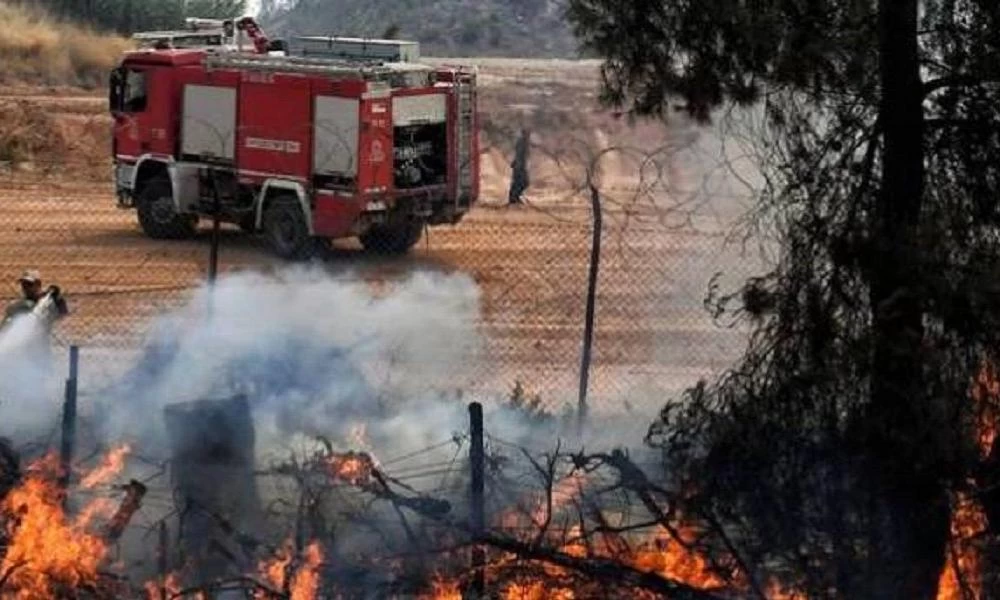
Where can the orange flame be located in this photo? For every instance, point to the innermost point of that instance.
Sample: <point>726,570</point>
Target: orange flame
<point>675,559</point>
<point>963,569</point>
<point>47,551</point>
<point>171,585</point>
<point>986,395</point>
<point>110,466</point>
<point>304,582</point>
<point>537,591</point>
<point>444,589</point>
<point>273,571</point>
<point>355,468</point>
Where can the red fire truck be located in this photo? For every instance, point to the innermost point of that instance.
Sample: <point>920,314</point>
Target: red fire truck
<point>301,149</point>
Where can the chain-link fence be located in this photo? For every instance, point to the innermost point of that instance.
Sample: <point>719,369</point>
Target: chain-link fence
<point>490,309</point>
<point>664,238</point>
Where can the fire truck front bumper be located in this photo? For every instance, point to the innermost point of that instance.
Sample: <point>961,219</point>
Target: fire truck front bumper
<point>123,176</point>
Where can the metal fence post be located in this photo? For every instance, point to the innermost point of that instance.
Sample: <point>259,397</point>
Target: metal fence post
<point>213,252</point>
<point>477,460</point>
<point>69,419</point>
<point>213,247</point>
<point>588,326</point>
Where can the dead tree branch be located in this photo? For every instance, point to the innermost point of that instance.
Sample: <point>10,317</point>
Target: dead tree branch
<point>601,569</point>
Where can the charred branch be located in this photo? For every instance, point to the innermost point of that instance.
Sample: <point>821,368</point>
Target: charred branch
<point>958,81</point>
<point>132,502</point>
<point>634,479</point>
<point>359,470</point>
<point>601,569</point>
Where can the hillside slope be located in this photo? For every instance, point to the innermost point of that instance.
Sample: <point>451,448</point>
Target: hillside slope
<point>35,49</point>
<point>522,28</point>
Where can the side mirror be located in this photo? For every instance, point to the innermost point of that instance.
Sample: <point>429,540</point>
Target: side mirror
<point>277,46</point>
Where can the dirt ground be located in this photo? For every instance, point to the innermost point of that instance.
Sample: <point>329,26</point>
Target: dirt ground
<point>663,241</point>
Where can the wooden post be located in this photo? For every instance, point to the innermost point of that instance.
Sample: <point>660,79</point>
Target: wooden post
<point>588,326</point>
<point>69,419</point>
<point>477,510</point>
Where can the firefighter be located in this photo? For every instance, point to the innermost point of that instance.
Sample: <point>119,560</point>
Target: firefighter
<point>519,180</point>
<point>31,291</point>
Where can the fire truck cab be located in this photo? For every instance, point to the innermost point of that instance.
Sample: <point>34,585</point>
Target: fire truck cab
<point>301,149</point>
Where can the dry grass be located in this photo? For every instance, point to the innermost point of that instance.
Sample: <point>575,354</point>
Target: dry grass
<point>35,138</point>
<point>28,132</point>
<point>38,50</point>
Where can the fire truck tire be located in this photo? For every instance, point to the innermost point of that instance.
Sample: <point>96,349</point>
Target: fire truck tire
<point>393,239</point>
<point>158,216</point>
<point>286,230</point>
<point>248,224</point>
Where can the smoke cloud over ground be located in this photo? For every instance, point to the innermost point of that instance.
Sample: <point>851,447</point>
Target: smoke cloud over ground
<point>316,354</point>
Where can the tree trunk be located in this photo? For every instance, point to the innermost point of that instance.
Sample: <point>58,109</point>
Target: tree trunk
<point>902,454</point>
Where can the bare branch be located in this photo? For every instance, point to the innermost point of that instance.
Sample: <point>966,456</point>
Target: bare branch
<point>602,569</point>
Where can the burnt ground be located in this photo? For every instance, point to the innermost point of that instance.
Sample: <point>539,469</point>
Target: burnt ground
<point>662,243</point>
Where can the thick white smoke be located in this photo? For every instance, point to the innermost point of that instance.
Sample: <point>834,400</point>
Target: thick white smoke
<point>369,366</point>
<point>316,354</point>
<point>27,381</point>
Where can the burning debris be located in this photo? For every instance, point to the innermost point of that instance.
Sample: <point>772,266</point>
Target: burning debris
<point>294,575</point>
<point>111,465</point>
<point>562,539</point>
<point>340,522</point>
<point>360,469</point>
<point>355,468</point>
<point>962,575</point>
<point>46,553</point>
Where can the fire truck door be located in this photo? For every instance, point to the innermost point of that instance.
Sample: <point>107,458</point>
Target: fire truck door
<point>144,121</point>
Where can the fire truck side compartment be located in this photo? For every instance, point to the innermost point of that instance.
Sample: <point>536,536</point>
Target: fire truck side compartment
<point>336,169</point>
<point>274,127</point>
<point>420,142</point>
<point>335,144</point>
<point>208,127</point>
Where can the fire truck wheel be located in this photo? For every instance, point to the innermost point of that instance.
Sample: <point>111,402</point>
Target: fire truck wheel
<point>393,239</point>
<point>248,224</point>
<point>286,230</point>
<point>158,215</point>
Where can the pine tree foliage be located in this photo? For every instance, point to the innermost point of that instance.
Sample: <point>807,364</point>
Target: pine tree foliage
<point>829,455</point>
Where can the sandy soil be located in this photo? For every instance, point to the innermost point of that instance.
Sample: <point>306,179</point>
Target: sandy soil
<point>662,244</point>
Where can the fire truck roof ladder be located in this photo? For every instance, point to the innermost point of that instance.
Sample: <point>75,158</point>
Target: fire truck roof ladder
<point>313,66</point>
